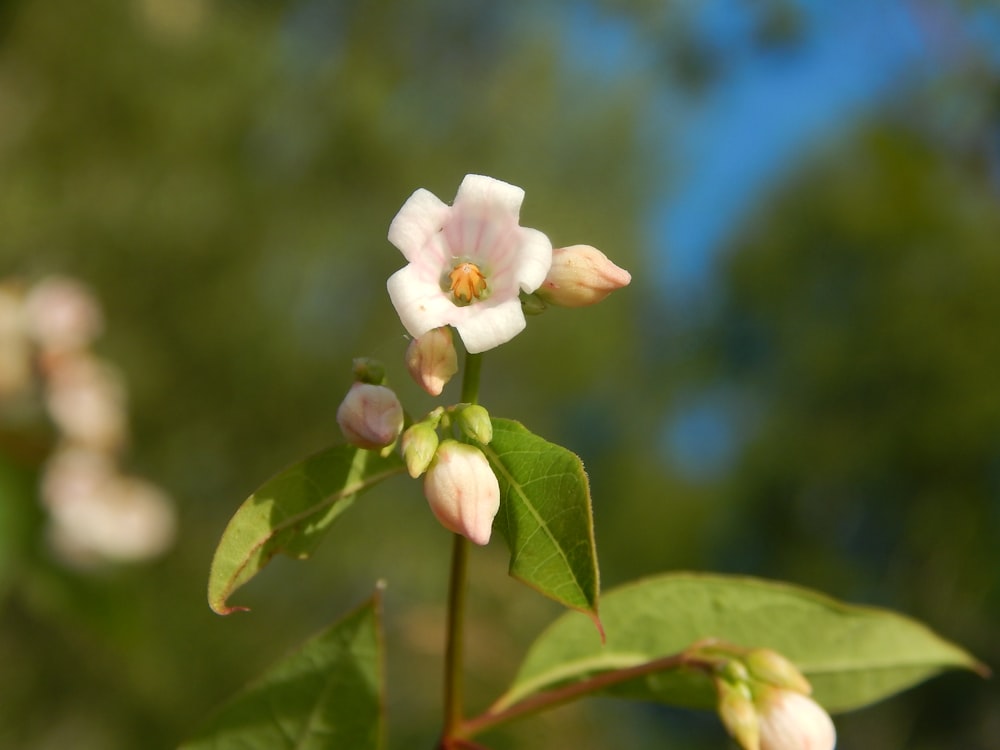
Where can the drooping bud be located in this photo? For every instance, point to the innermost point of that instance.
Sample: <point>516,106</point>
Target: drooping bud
<point>431,360</point>
<point>581,275</point>
<point>475,422</point>
<point>420,442</point>
<point>463,491</point>
<point>738,714</point>
<point>772,668</point>
<point>790,720</point>
<point>370,416</point>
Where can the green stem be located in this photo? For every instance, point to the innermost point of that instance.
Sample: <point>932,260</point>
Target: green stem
<point>557,696</point>
<point>453,648</point>
<point>470,379</point>
<point>456,588</point>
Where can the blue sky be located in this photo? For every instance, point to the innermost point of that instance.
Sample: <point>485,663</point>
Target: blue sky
<point>766,110</point>
<point>769,110</point>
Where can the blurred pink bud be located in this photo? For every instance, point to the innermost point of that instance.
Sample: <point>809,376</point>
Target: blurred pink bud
<point>431,360</point>
<point>463,491</point>
<point>790,720</point>
<point>370,416</point>
<point>581,275</point>
<point>62,314</point>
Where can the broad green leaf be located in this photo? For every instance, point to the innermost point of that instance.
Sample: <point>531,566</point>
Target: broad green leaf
<point>852,655</point>
<point>545,515</point>
<point>290,513</point>
<point>328,694</point>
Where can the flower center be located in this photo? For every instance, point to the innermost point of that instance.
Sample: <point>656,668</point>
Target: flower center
<point>467,283</point>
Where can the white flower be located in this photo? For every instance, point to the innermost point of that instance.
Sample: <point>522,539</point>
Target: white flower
<point>790,720</point>
<point>468,262</point>
<point>463,491</point>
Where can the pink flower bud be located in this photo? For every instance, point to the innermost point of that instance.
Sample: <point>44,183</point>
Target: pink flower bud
<point>370,416</point>
<point>463,491</point>
<point>792,721</point>
<point>431,360</point>
<point>581,275</point>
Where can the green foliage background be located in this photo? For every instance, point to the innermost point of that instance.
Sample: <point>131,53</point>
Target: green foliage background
<point>223,173</point>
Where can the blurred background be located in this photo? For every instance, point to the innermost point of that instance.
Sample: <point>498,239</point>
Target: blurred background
<point>801,382</point>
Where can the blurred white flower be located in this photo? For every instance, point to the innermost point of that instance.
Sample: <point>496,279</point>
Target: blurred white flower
<point>62,314</point>
<point>468,262</point>
<point>97,515</point>
<point>86,400</point>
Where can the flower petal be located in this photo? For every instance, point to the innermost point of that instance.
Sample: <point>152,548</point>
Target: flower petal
<point>535,260</point>
<point>478,190</point>
<point>419,302</point>
<point>418,220</point>
<point>489,325</point>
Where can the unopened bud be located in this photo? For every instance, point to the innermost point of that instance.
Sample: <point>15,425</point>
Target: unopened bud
<point>431,360</point>
<point>370,416</point>
<point>475,422</point>
<point>368,370</point>
<point>581,275</point>
<point>738,714</point>
<point>420,442</point>
<point>772,668</point>
<point>532,304</point>
<point>463,491</point>
<point>790,720</point>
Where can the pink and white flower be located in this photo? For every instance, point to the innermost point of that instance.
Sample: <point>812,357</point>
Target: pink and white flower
<point>468,262</point>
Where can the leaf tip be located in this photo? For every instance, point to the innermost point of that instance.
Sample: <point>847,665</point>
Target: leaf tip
<point>221,608</point>
<point>596,619</point>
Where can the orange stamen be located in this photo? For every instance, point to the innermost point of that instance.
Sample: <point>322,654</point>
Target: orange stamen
<point>467,282</point>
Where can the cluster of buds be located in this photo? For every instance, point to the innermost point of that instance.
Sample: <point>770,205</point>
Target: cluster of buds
<point>96,513</point>
<point>764,703</point>
<point>461,488</point>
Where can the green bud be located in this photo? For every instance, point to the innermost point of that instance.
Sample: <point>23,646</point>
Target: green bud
<point>734,672</point>
<point>738,714</point>
<point>419,445</point>
<point>532,304</point>
<point>367,370</point>
<point>475,422</point>
<point>773,669</point>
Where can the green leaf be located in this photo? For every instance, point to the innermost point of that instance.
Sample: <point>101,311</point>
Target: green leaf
<point>328,694</point>
<point>852,655</point>
<point>290,513</point>
<point>545,515</point>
